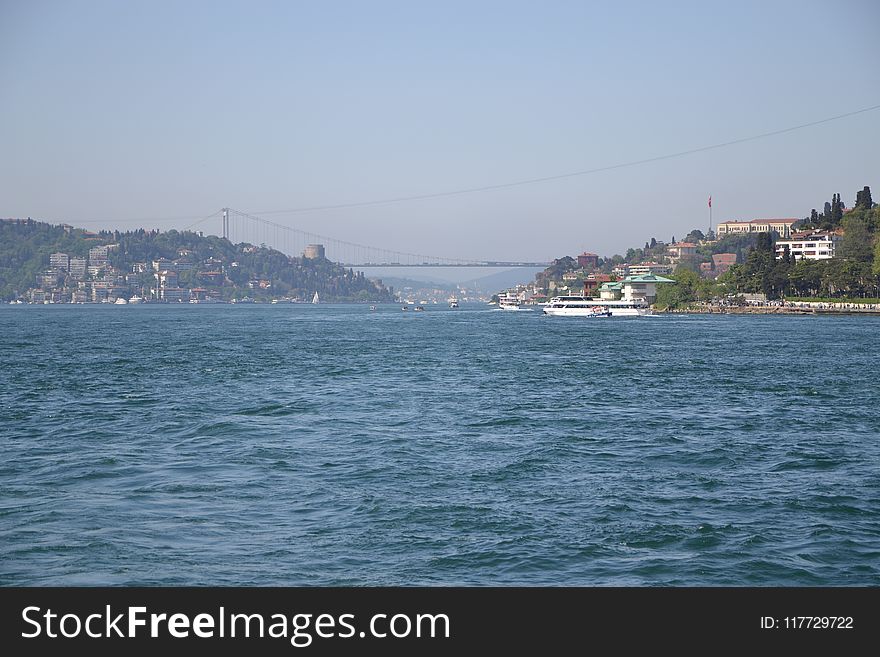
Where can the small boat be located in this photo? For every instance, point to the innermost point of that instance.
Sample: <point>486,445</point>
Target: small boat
<point>372,307</point>
<point>121,302</point>
<point>135,299</point>
<point>315,298</point>
<point>420,307</point>
<point>405,307</point>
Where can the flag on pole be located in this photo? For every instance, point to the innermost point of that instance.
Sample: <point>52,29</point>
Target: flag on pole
<point>710,201</point>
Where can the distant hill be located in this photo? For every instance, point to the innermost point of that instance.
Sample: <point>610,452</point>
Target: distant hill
<point>211,264</point>
<point>400,283</point>
<point>504,279</point>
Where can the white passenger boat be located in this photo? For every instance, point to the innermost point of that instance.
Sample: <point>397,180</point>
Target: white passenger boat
<point>508,301</point>
<point>581,306</point>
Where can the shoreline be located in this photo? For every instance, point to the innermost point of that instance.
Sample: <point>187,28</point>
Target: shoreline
<point>768,310</point>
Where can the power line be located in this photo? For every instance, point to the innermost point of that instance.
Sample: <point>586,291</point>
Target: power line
<point>210,216</point>
<point>142,220</point>
<point>333,240</point>
<point>572,174</point>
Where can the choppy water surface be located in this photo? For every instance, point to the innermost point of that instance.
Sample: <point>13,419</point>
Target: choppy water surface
<point>328,445</point>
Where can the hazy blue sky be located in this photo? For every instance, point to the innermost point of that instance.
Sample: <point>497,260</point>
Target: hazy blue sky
<point>115,111</point>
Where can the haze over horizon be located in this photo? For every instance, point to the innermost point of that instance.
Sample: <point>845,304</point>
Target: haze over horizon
<point>153,114</point>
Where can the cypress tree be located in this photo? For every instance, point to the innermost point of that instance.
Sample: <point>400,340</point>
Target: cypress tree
<point>836,210</point>
<point>863,198</point>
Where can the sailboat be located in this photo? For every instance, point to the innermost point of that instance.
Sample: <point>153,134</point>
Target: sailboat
<point>315,298</point>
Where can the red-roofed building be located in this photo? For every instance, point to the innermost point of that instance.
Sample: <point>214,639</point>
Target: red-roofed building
<point>679,249</point>
<point>781,226</point>
<point>593,281</point>
<point>588,260</point>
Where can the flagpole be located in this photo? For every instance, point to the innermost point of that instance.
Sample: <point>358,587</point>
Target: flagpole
<point>710,213</point>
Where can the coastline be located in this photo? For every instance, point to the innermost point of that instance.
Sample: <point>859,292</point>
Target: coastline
<point>818,309</point>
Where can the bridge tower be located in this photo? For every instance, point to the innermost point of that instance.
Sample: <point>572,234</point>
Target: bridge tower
<point>226,223</point>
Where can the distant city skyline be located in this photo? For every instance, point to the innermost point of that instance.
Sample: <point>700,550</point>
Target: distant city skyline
<point>154,114</point>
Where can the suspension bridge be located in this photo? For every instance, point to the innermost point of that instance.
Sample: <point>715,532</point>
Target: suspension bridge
<point>238,226</point>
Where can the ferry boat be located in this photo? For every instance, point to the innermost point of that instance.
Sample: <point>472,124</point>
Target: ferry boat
<point>453,302</point>
<point>507,301</point>
<point>581,306</point>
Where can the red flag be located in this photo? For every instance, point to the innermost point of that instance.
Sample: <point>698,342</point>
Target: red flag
<point>710,201</point>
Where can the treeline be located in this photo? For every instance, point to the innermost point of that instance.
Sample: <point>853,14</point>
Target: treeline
<point>25,247</point>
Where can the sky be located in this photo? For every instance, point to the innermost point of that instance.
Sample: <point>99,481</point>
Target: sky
<point>155,114</point>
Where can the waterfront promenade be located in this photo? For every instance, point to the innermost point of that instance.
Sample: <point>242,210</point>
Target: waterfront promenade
<point>783,308</point>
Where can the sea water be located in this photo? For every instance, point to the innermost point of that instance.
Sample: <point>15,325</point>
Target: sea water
<point>332,445</point>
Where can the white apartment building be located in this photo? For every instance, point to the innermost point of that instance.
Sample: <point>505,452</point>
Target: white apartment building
<point>813,245</point>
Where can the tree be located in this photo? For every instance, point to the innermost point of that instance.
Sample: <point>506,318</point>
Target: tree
<point>696,235</point>
<point>863,199</point>
<point>876,268</point>
<point>836,210</point>
<point>856,242</point>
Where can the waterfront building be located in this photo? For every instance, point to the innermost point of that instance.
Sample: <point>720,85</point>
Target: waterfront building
<point>60,261</point>
<point>49,279</point>
<point>99,253</point>
<point>162,264</point>
<point>593,281</point>
<point>678,250</point>
<point>314,252</point>
<point>647,268</point>
<point>198,294</point>
<point>173,294</point>
<point>100,291</point>
<point>211,277</point>
<point>588,260</point>
<point>812,245</point>
<point>781,226</point>
<point>611,291</point>
<point>166,278</point>
<point>642,287</point>
<point>722,262</point>
<point>78,267</point>
<point>96,267</point>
